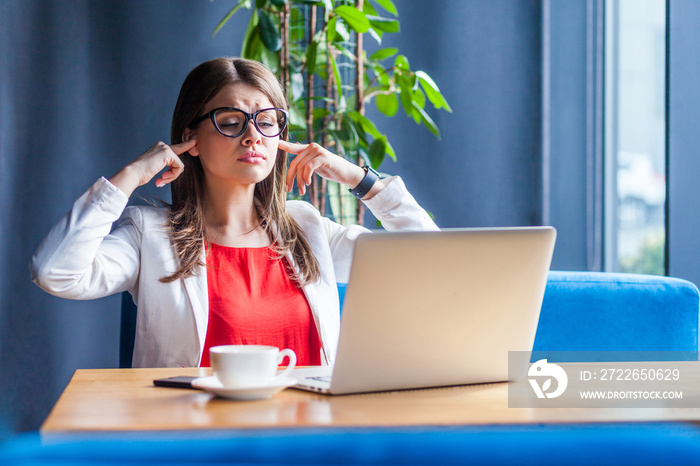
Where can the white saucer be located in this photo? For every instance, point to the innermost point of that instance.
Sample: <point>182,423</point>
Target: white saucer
<point>212,384</point>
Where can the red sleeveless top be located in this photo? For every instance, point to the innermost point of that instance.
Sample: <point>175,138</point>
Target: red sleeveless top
<point>252,301</point>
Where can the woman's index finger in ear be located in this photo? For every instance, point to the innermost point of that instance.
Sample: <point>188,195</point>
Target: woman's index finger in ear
<point>183,146</point>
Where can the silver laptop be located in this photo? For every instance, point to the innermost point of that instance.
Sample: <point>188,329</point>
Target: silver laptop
<point>430,309</point>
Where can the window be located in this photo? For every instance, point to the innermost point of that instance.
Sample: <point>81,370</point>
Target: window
<point>635,135</point>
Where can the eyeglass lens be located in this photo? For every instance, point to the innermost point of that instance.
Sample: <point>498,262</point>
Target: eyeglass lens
<point>232,123</point>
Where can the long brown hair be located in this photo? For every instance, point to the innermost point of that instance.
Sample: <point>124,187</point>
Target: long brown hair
<point>188,233</point>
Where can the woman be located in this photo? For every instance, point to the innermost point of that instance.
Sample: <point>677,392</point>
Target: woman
<point>230,261</point>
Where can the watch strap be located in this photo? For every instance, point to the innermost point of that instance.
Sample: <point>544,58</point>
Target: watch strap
<point>371,177</point>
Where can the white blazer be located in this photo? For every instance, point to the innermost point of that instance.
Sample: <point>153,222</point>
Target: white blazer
<point>81,259</point>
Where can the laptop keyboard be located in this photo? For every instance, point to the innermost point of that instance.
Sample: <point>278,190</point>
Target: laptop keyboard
<point>324,378</point>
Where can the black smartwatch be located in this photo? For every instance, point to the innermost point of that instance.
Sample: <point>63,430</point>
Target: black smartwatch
<point>371,177</point>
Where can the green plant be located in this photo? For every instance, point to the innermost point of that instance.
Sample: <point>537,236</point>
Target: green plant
<point>316,49</point>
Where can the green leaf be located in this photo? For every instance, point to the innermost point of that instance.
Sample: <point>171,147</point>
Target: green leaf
<point>319,113</point>
<point>253,45</point>
<point>316,54</point>
<point>415,114</point>
<point>279,4</point>
<point>353,17</point>
<point>383,77</point>
<point>406,79</point>
<point>336,74</point>
<point>323,99</point>
<point>296,119</point>
<point>311,54</point>
<point>268,32</point>
<point>241,3</point>
<point>432,91</point>
<point>377,151</point>
<point>401,62</point>
<point>406,94</point>
<point>368,9</point>
<point>366,124</point>
<point>390,151</point>
<point>342,104</point>
<point>389,6</point>
<point>331,28</point>
<point>297,84</point>
<point>377,35</point>
<point>250,36</point>
<point>340,32</point>
<point>406,98</point>
<point>428,122</point>
<point>269,59</point>
<point>348,54</point>
<point>347,133</point>
<point>358,132</point>
<point>260,4</point>
<point>388,104</point>
<point>383,54</point>
<point>419,98</point>
<point>383,24</point>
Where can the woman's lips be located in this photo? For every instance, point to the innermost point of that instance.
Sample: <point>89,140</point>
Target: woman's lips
<point>252,157</point>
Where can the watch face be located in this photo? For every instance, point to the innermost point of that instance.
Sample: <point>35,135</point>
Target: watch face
<point>368,168</point>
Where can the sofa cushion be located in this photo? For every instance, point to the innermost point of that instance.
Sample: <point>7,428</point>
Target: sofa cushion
<point>594,311</point>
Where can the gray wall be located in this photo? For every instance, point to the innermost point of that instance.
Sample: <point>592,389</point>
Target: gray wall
<point>485,56</point>
<point>684,140</point>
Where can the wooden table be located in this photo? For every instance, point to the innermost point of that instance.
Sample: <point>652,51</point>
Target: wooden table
<point>103,400</point>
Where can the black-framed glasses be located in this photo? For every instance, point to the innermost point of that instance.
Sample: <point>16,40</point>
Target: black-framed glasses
<point>232,122</point>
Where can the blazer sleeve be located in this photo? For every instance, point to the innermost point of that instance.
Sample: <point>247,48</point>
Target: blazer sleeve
<point>394,207</point>
<point>80,258</point>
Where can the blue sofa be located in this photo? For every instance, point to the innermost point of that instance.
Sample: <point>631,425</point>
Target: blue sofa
<point>616,312</point>
<point>581,313</point>
<point>617,444</point>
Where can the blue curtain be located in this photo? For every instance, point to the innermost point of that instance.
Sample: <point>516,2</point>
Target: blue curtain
<point>86,86</point>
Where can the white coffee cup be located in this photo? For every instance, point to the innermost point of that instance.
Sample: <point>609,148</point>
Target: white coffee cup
<point>249,365</point>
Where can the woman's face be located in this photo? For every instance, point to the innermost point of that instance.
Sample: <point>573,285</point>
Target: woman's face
<point>246,159</point>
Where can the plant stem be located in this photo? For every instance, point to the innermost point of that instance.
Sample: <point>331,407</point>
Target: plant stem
<point>360,101</point>
<point>360,70</point>
<point>313,194</point>
<point>288,29</point>
<point>283,59</point>
<point>331,93</point>
<point>310,82</point>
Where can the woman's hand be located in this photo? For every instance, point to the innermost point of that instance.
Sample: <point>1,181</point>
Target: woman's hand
<point>312,158</point>
<point>149,164</point>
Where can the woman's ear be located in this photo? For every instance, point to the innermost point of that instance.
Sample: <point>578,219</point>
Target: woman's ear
<point>188,135</point>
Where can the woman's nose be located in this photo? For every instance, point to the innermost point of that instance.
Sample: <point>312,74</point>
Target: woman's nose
<point>251,135</point>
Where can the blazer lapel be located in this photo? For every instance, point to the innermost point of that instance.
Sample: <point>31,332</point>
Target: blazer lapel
<point>198,296</point>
